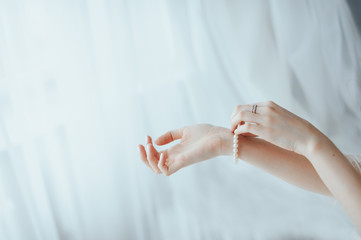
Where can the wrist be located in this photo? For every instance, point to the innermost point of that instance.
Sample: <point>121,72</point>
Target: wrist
<point>312,141</point>
<point>227,145</point>
<point>316,144</point>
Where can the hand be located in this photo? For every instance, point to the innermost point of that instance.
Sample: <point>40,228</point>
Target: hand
<point>277,126</point>
<point>198,142</point>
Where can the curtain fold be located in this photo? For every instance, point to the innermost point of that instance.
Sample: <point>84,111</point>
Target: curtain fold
<point>83,82</point>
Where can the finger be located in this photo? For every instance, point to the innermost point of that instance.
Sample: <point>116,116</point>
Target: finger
<point>245,107</point>
<point>248,135</point>
<point>244,116</point>
<point>143,155</point>
<point>249,128</point>
<point>248,107</point>
<point>152,159</point>
<point>177,162</point>
<point>236,110</point>
<point>148,140</point>
<point>169,136</point>
<point>245,134</point>
<point>239,108</point>
<point>162,166</point>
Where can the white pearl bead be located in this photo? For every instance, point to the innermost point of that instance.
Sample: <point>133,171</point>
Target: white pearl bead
<point>235,148</point>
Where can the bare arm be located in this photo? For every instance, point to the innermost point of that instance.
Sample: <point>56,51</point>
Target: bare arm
<point>280,127</point>
<point>292,149</point>
<point>203,141</point>
<point>286,165</point>
<point>321,169</point>
<point>341,178</point>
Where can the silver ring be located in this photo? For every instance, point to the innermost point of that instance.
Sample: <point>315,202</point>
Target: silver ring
<point>254,108</point>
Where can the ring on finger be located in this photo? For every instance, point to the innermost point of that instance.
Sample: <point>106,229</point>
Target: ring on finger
<point>254,108</point>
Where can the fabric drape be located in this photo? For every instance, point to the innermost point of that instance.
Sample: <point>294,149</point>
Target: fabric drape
<point>83,82</point>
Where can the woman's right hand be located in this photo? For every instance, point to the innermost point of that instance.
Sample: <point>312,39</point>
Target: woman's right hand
<point>198,142</point>
<point>278,126</point>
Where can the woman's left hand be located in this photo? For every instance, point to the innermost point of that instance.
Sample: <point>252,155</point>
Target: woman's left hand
<point>277,126</point>
<point>197,143</point>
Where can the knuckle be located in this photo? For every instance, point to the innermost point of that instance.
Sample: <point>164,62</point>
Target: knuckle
<point>171,135</point>
<point>270,103</point>
<point>180,158</point>
<point>267,110</point>
<point>270,109</point>
<point>270,133</point>
<point>269,120</point>
<point>248,127</point>
<point>238,107</point>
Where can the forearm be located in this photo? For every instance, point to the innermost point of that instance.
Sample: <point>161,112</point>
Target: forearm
<point>289,166</point>
<point>340,177</point>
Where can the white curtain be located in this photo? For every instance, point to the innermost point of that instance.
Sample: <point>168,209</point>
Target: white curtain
<point>83,81</point>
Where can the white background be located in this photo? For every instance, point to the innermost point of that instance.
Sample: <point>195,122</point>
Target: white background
<point>82,82</point>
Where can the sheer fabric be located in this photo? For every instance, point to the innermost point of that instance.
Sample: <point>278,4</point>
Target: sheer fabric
<point>355,160</point>
<point>82,83</point>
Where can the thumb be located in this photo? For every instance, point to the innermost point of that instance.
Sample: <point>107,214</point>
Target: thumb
<point>169,136</point>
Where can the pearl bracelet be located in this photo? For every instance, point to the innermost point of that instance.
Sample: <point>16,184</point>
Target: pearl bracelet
<point>235,148</point>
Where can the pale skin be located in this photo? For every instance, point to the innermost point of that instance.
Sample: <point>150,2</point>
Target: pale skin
<point>286,146</point>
